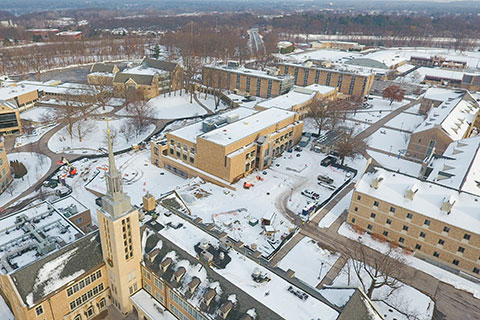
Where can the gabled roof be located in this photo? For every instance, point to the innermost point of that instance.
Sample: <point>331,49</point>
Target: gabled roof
<point>34,282</point>
<point>138,78</point>
<point>159,64</point>
<point>102,67</point>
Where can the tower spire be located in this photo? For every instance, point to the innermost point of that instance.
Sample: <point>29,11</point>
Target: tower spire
<point>112,168</point>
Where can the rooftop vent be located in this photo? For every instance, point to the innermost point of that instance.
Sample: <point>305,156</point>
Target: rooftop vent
<point>411,191</point>
<point>376,181</point>
<point>447,204</point>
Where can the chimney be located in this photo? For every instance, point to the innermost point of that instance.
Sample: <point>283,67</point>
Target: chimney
<point>447,204</point>
<point>411,191</point>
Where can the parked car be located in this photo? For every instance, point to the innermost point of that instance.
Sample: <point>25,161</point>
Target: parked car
<point>310,194</point>
<point>325,178</point>
<point>328,160</point>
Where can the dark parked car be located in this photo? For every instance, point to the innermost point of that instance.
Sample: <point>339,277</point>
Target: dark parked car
<point>328,160</point>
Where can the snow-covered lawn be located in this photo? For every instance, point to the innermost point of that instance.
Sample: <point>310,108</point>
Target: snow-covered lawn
<point>172,107</point>
<point>37,133</point>
<point>439,273</point>
<point>378,103</point>
<point>405,121</point>
<point>389,140</point>
<point>210,102</point>
<point>404,299</point>
<point>95,138</point>
<point>37,114</point>
<point>139,176</point>
<point>37,165</point>
<point>394,163</point>
<point>310,262</point>
<point>367,116</point>
<point>336,211</point>
<point>5,312</point>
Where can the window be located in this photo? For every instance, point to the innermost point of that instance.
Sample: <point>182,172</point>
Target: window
<point>353,220</point>
<point>409,216</point>
<point>422,234</point>
<point>389,221</point>
<point>369,227</point>
<point>405,228</point>
<point>376,204</point>
<point>436,254</point>
<point>78,220</point>
<point>401,240</point>
<point>78,317</point>
<point>466,236</point>
<point>355,209</point>
<point>476,270</point>
<point>446,229</point>
<point>441,242</point>
<point>455,262</point>
<point>101,304</point>
<point>359,198</point>
<point>461,249</point>
<point>385,233</point>
<point>426,222</point>
<point>418,247</point>
<point>372,215</point>
<point>39,310</point>
<point>158,283</point>
<point>392,209</point>
<point>89,312</point>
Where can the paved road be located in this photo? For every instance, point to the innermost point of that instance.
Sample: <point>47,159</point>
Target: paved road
<point>255,41</point>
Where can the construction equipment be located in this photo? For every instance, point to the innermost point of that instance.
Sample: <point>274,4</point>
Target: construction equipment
<point>72,171</point>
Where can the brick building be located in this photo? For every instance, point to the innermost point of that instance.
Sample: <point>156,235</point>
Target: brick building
<point>226,148</point>
<point>436,222</point>
<point>350,83</point>
<point>102,74</point>
<point>258,83</point>
<point>451,115</point>
<point>5,172</point>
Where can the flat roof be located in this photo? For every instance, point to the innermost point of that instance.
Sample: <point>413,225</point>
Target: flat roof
<point>427,200</point>
<point>10,92</point>
<point>192,131</point>
<point>37,230</point>
<point>144,70</point>
<point>250,72</point>
<point>245,127</point>
<point>151,307</point>
<point>288,100</point>
<point>337,56</point>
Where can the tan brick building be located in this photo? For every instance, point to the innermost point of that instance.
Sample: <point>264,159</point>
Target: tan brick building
<point>299,99</point>
<point>451,117</point>
<point>226,148</point>
<point>135,86</point>
<point>350,83</point>
<point>249,81</point>
<point>436,222</point>
<point>5,172</point>
<point>20,94</point>
<point>10,121</point>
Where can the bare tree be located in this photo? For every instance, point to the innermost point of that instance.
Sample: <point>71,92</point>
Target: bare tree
<point>393,93</point>
<point>319,113</point>
<point>349,146</point>
<point>142,114</point>
<point>375,271</point>
<point>127,130</point>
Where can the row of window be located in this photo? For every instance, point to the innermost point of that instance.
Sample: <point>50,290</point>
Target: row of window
<point>185,306</point>
<point>86,296</point>
<point>89,313</point>
<point>84,282</point>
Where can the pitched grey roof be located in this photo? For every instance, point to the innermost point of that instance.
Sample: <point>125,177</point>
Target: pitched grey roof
<point>244,301</point>
<point>86,256</point>
<point>102,67</point>
<point>138,78</point>
<point>10,104</point>
<point>159,64</point>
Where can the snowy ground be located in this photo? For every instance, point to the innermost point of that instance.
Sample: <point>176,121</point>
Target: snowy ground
<point>172,107</point>
<point>389,140</point>
<point>95,138</point>
<point>405,299</point>
<point>336,211</point>
<point>210,102</point>
<point>5,312</point>
<point>37,114</point>
<point>310,262</point>
<point>394,163</point>
<point>405,121</point>
<point>37,133</point>
<point>37,165</point>
<point>439,273</point>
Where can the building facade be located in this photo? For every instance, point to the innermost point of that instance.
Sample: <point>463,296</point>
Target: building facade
<point>227,148</point>
<point>102,74</point>
<point>246,81</point>
<point>358,84</point>
<point>10,121</point>
<point>135,87</point>
<point>434,221</point>
<point>5,172</point>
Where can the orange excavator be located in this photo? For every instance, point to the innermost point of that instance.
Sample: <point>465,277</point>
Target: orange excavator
<point>72,171</point>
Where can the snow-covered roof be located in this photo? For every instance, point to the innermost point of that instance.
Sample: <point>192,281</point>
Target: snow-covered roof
<point>454,115</point>
<point>440,94</point>
<point>243,128</point>
<point>336,56</point>
<point>151,307</point>
<point>69,33</point>
<point>42,228</point>
<point>427,200</point>
<point>250,72</point>
<point>440,73</point>
<point>388,57</point>
<point>459,167</point>
<point>10,92</point>
<point>191,132</point>
<point>144,70</point>
<point>317,88</point>
<point>339,68</point>
<point>288,100</point>
<point>276,298</point>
